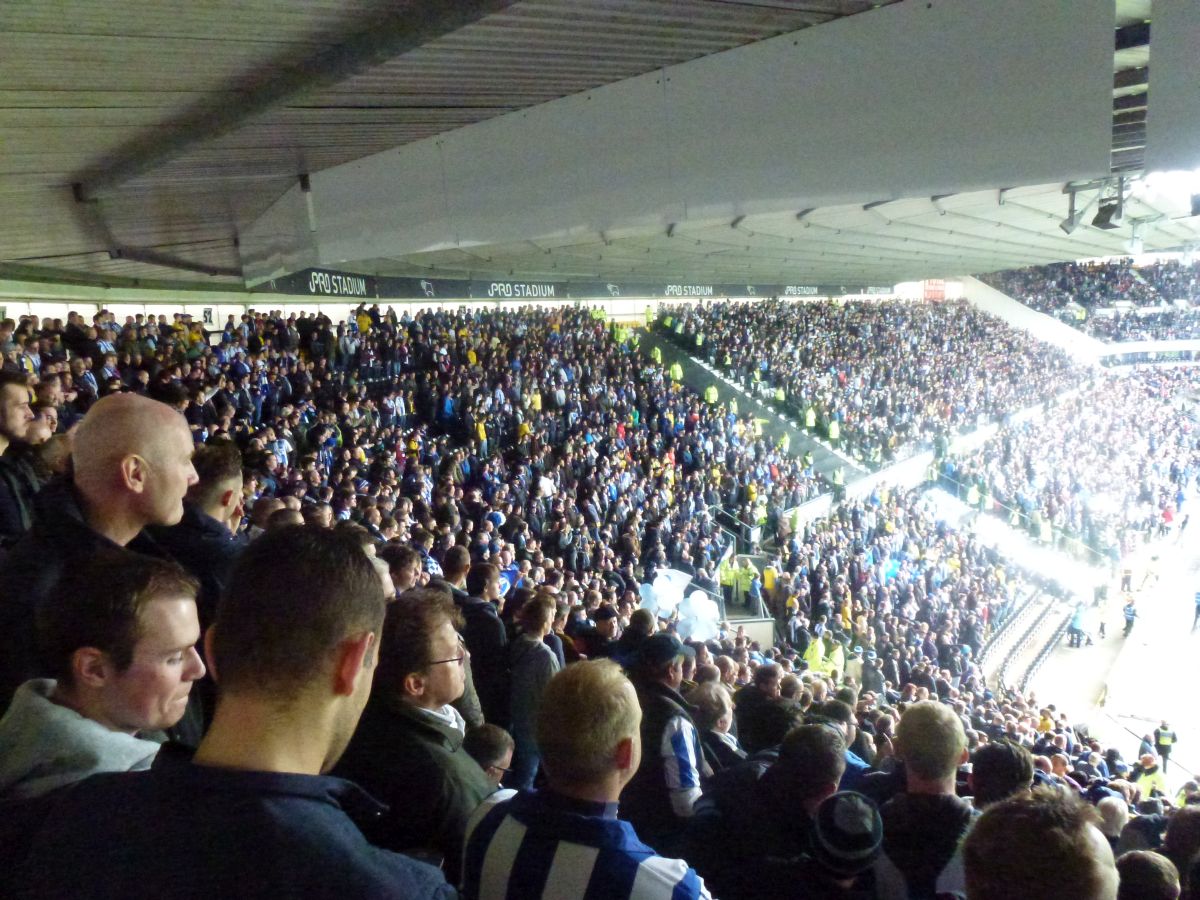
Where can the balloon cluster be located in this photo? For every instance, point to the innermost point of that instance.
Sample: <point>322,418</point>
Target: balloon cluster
<point>697,616</point>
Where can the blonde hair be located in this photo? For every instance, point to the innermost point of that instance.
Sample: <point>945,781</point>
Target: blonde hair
<point>930,739</point>
<point>712,702</point>
<point>586,710</point>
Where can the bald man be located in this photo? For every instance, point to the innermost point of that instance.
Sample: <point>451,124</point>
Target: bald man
<point>132,466</point>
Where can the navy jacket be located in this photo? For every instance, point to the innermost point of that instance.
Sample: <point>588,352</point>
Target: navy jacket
<point>204,547</point>
<point>187,831</point>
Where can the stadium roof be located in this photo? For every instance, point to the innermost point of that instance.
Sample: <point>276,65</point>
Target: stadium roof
<point>140,138</point>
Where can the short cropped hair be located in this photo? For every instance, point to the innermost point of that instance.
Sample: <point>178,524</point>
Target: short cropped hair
<point>767,672</point>
<point>284,518</point>
<point>294,594</point>
<point>837,711</point>
<point>456,562</point>
<point>789,687</point>
<point>712,701</point>
<point>478,577</point>
<point>1146,875</point>
<point>100,603</point>
<point>487,744</point>
<point>537,613</point>
<point>8,379</point>
<point>1019,846</point>
<point>775,721</point>
<point>218,464</point>
<point>998,771</point>
<point>813,757</point>
<point>586,710</point>
<point>404,647</point>
<point>930,739</point>
<point>397,556</point>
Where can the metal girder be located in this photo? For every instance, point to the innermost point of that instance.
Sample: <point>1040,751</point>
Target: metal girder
<point>406,27</point>
<point>1134,117</point>
<point>1131,78</point>
<point>1135,35</point>
<point>1131,101</point>
<point>167,261</point>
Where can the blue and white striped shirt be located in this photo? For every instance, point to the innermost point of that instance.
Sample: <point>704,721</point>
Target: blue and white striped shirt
<point>682,754</point>
<point>543,846</point>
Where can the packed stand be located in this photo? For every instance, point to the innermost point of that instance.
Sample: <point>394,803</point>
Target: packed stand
<point>291,691</point>
<point>877,379</point>
<point>550,419</point>
<point>1112,467</point>
<point>1139,302</point>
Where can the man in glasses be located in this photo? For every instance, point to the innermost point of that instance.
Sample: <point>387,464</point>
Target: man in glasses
<point>408,749</point>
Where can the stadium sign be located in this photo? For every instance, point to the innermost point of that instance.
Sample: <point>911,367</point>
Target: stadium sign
<point>324,283</point>
<point>371,288</point>
<point>688,290</point>
<point>516,290</point>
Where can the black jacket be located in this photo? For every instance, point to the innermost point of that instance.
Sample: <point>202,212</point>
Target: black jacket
<point>921,832</point>
<point>19,485</point>
<point>59,540</point>
<point>204,547</point>
<point>485,636</point>
<point>718,754</point>
<point>416,765</point>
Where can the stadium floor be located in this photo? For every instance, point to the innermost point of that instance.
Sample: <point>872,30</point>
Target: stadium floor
<point>1123,687</point>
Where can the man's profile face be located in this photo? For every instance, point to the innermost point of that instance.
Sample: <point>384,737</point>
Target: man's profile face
<point>445,681</point>
<point>770,687</point>
<point>152,693</point>
<point>171,474</point>
<point>15,414</point>
<point>496,771</point>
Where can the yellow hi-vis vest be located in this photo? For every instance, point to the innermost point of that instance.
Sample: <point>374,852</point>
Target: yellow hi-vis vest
<point>727,574</point>
<point>710,393</point>
<point>814,655</point>
<point>745,576</point>
<point>676,372</point>
<point>810,418</point>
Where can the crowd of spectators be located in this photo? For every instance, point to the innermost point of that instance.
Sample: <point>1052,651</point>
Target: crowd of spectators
<point>1155,301</point>
<point>1111,467</point>
<point>877,378</point>
<point>551,419</point>
<point>297,602</point>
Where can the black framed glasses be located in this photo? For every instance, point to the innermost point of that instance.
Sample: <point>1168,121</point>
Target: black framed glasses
<point>453,659</point>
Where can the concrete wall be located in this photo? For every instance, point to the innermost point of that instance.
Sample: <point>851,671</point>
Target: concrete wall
<point>1083,348</point>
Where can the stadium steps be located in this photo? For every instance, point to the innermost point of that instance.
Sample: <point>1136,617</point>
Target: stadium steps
<point>698,375</point>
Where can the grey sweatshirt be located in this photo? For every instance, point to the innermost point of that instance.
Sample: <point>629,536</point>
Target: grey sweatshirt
<point>44,746</point>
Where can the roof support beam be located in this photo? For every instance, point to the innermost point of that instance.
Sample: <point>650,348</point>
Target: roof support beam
<point>1131,78</point>
<point>1135,35</point>
<point>1130,101</point>
<point>406,27</point>
<point>167,261</point>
